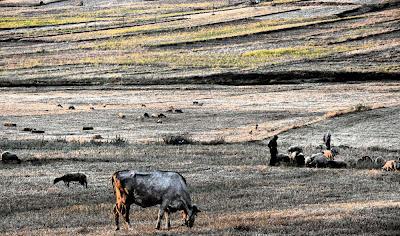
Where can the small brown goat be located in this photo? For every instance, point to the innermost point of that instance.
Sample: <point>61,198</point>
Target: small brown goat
<point>390,165</point>
<point>74,177</point>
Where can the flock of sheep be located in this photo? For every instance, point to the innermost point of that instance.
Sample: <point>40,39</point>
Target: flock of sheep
<point>296,157</point>
<point>325,158</point>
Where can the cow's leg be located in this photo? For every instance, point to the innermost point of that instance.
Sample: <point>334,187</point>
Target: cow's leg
<point>163,208</point>
<point>167,219</point>
<point>160,216</point>
<point>126,216</point>
<point>116,215</point>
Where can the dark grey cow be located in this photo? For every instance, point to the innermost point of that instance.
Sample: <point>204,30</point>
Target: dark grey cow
<point>164,188</point>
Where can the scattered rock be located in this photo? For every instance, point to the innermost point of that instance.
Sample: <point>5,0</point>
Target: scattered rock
<point>97,136</point>
<point>35,131</point>
<point>173,110</point>
<point>121,115</point>
<point>196,103</point>
<point>158,115</point>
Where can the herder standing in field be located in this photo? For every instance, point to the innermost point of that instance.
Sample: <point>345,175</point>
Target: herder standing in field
<point>273,146</point>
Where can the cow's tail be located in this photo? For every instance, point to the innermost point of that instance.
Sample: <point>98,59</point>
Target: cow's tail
<point>113,179</point>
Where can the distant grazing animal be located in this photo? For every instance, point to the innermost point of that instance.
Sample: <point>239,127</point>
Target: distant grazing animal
<point>71,108</point>
<point>390,165</point>
<point>296,155</point>
<point>330,154</point>
<point>59,105</point>
<point>146,115</point>
<point>299,159</point>
<point>336,164</point>
<point>74,177</point>
<point>379,162</point>
<point>295,149</point>
<point>7,157</point>
<point>365,162</point>
<point>317,160</point>
<point>164,188</point>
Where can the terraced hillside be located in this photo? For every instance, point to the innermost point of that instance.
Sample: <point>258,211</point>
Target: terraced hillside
<point>162,42</point>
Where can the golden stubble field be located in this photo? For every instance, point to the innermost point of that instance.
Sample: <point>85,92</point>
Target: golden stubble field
<point>238,193</point>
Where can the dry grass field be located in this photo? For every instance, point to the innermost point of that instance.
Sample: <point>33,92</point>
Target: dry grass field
<point>226,76</point>
<point>231,181</point>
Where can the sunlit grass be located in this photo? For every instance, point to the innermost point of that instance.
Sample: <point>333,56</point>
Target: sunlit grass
<point>19,22</point>
<point>280,52</point>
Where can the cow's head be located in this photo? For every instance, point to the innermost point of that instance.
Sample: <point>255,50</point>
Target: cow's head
<point>192,215</point>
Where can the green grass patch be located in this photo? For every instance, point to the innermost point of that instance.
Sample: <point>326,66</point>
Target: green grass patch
<point>292,52</point>
<point>21,22</point>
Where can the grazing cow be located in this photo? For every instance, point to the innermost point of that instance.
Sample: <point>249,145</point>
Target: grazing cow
<point>295,149</point>
<point>7,157</point>
<point>390,165</point>
<point>74,177</point>
<point>164,188</point>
